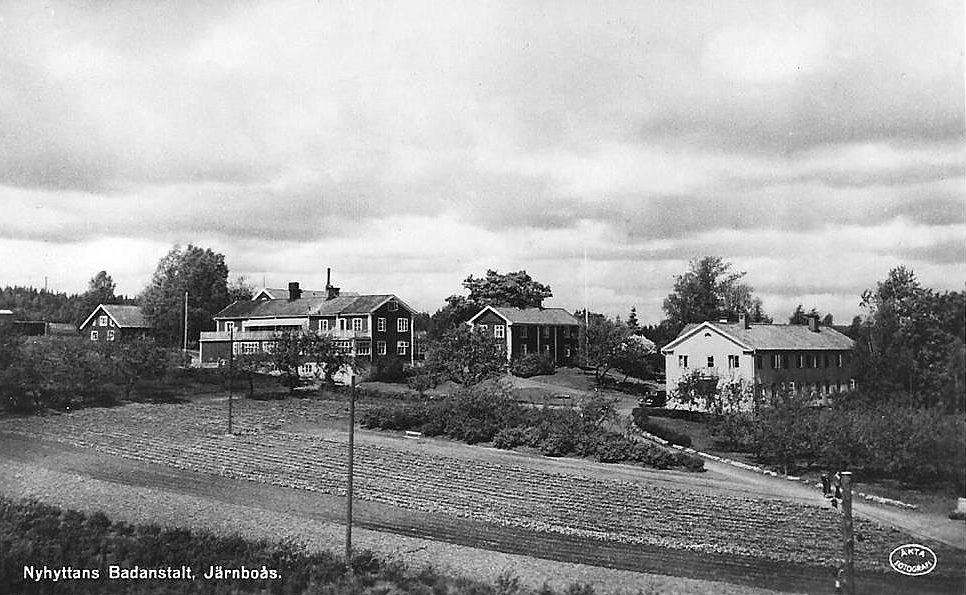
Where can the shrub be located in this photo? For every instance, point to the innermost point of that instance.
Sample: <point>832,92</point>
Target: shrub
<point>660,430</point>
<point>532,364</point>
<point>387,369</point>
<point>423,382</point>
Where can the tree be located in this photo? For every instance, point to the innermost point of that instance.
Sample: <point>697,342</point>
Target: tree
<point>516,289</point>
<point>800,316</point>
<point>910,341</point>
<point>603,342</point>
<point>200,272</point>
<point>632,322</point>
<point>240,289</point>
<point>636,357</point>
<point>100,290</point>
<point>286,356</point>
<point>464,355</point>
<point>711,290</point>
<point>248,365</point>
<point>137,359</point>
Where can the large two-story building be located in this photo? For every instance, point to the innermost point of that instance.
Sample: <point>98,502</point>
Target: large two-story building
<point>364,326</point>
<point>551,331</point>
<point>805,359</point>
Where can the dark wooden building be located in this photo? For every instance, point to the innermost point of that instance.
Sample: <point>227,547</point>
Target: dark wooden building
<point>551,331</point>
<point>111,322</point>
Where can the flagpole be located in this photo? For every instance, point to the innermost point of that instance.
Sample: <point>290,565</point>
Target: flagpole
<point>184,348</point>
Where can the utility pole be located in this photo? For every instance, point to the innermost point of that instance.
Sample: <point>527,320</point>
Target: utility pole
<point>231,371</point>
<point>847,532</point>
<point>348,492</point>
<point>184,348</point>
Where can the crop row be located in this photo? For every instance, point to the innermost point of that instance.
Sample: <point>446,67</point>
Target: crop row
<point>192,437</point>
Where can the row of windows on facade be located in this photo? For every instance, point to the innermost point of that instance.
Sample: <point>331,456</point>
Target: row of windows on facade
<point>780,361</point>
<point>361,348</point>
<point>814,388</point>
<point>525,350</point>
<point>110,335</point>
<point>499,331</point>
<point>402,325</point>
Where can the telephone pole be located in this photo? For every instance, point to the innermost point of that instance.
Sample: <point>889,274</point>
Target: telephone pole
<point>184,348</point>
<point>231,371</point>
<point>348,492</point>
<point>848,536</point>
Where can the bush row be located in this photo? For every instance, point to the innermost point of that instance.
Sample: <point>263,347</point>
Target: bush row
<point>36,534</point>
<point>485,414</point>
<point>913,445</point>
<point>657,428</point>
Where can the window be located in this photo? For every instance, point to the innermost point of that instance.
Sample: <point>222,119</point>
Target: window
<point>710,361</point>
<point>364,348</point>
<point>110,322</point>
<point>565,332</point>
<point>402,325</point>
<point>249,348</point>
<point>523,348</point>
<point>567,351</point>
<point>325,325</point>
<point>110,335</point>
<point>357,324</point>
<point>93,335</point>
<point>791,386</point>
<point>779,361</point>
<point>524,333</point>
<point>758,362</point>
<point>852,384</point>
<point>381,347</point>
<point>268,346</point>
<point>102,321</point>
<point>342,326</point>
<point>546,349</point>
<point>229,326</point>
<point>839,360</point>
<point>393,306</point>
<point>381,324</point>
<point>402,347</point>
<point>546,331</point>
<point>682,361</point>
<point>484,327</point>
<point>733,361</point>
<point>343,346</point>
<point>800,361</point>
<point>499,331</point>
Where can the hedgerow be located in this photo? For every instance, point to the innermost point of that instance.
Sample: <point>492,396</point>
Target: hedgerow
<point>488,414</point>
<point>35,534</point>
<point>657,428</point>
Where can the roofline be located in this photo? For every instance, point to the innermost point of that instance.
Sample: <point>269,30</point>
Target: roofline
<point>391,297</point>
<point>109,315</point>
<point>710,325</point>
<point>491,309</point>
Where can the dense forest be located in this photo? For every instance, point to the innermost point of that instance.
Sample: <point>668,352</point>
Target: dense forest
<point>30,303</point>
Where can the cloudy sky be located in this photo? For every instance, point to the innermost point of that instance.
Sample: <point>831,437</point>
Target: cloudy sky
<point>407,145</point>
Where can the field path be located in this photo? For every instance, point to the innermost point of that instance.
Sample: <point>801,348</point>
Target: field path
<point>289,460</point>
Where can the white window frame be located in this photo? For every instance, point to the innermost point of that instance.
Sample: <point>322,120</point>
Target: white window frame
<point>499,331</point>
<point>381,324</point>
<point>733,361</point>
<point>249,347</point>
<point>402,347</point>
<point>546,331</point>
<point>524,332</point>
<point>93,335</point>
<point>229,325</point>
<point>357,324</point>
<point>683,361</point>
<point>402,325</point>
<point>324,325</point>
<point>364,348</point>
<point>710,361</point>
<point>102,320</point>
<point>380,348</point>
<point>110,335</point>
<point>523,349</point>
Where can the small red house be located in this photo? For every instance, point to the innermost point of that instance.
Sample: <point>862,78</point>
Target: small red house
<point>111,322</point>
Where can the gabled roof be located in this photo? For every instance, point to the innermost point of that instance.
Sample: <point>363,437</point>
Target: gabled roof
<point>123,316</point>
<point>314,306</point>
<point>281,293</point>
<point>550,316</point>
<point>771,337</point>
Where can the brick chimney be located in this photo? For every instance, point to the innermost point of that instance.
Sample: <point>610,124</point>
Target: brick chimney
<point>813,323</point>
<point>331,291</point>
<point>743,320</point>
<point>294,292</point>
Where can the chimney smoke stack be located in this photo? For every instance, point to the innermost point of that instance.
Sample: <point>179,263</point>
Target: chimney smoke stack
<point>331,291</point>
<point>813,323</point>
<point>294,292</point>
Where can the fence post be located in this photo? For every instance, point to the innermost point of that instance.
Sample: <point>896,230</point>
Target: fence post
<point>847,532</point>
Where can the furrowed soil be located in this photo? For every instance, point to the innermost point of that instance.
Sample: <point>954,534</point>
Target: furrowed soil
<point>289,457</point>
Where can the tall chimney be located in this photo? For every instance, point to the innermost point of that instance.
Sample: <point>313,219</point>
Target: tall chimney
<point>813,323</point>
<point>331,291</point>
<point>743,320</point>
<point>294,292</point>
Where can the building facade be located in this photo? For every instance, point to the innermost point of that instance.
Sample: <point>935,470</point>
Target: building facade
<point>364,326</point>
<point>111,322</point>
<point>770,358</point>
<point>551,331</point>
